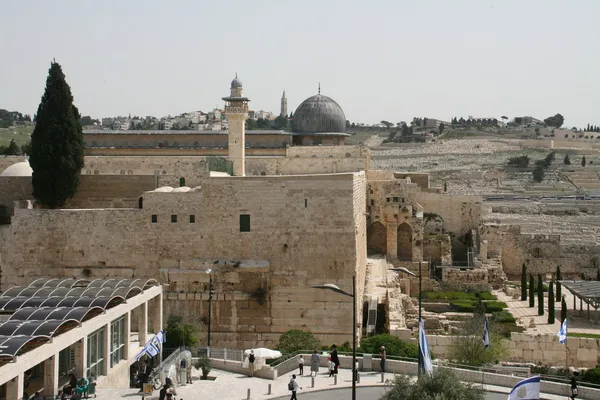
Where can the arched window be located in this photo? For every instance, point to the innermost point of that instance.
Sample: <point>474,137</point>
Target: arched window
<point>181,182</point>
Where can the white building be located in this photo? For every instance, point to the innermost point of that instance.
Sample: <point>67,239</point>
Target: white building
<point>94,328</point>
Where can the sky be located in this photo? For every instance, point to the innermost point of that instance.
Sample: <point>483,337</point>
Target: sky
<point>380,60</point>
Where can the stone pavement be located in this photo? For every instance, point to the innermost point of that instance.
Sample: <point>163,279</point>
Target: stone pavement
<point>522,311</point>
<point>232,386</point>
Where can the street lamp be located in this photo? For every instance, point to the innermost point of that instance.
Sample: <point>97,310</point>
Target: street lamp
<point>335,288</point>
<point>406,271</point>
<point>210,296</point>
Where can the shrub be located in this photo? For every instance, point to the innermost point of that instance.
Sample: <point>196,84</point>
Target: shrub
<point>503,316</point>
<point>430,387</point>
<point>296,339</point>
<point>393,346</point>
<point>452,295</point>
<point>494,306</point>
<point>592,375</point>
<point>520,162</point>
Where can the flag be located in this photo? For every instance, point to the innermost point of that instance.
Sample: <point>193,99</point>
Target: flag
<point>527,389</point>
<point>562,332</point>
<point>486,333</point>
<point>426,363</point>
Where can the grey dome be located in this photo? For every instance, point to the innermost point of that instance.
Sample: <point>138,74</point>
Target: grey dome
<point>236,83</point>
<point>319,114</point>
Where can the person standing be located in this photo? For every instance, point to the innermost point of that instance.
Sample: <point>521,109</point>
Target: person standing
<point>301,365</point>
<point>315,360</point>
<point>331,366</point>
<point>335,359</point>
<point>251,360</point>
<point>382,354</point>
<point>293,386</point>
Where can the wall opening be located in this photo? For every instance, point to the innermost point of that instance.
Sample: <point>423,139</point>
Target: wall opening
<point>244,223</point>
<point>173,218</point>
<point>181,182</point>
<point>154,218</point>
<point>141,202</point>
<point>404,242</point>
<point>377,238</point>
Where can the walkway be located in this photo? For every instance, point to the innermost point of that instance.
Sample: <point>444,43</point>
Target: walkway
<point>230,386</point>
<point>522,311</point>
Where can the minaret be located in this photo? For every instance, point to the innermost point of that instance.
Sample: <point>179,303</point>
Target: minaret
<point>236,111</point>
<point>283,112</point>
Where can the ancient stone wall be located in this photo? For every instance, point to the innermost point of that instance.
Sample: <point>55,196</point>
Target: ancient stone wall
<point>264,275</point>
<point>459,213</point>
<point>541,253</point>
<point>13,188</point>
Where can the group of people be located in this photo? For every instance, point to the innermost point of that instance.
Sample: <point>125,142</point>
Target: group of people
<point>333,365</point>
<point>76,388</point>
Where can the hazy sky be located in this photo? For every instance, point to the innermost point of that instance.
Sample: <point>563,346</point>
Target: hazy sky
<point>378,59</point>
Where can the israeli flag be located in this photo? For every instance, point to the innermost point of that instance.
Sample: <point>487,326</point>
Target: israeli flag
<point>527,389</point>
<point>426,363</point>
<point>486,333</point>
<point>562,332</point>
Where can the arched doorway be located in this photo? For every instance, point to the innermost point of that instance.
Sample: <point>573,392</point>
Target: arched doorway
<point>404,237</point>
<point>377,238</point>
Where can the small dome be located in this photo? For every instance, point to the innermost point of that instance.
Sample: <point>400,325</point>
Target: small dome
<point>19,169</point>
<point>236,83</point>
<point>319,114</point>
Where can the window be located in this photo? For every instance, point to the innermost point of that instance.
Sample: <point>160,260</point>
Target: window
<point>305,203</point>
<point>537,252</point>
<point>244,223</point>
<point>173,218</point>
<point>95,353</point>
<point>192,219</point>
<point>181,182</point>
<point>395,199</point>
<point>154,218</point>
<point>387,199</point>
<point>372,202</point>
<point>117,342</point>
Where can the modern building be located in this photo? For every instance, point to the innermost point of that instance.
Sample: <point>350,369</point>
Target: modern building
<point>91,328</point>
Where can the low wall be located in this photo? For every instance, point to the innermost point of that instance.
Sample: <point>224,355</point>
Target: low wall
<point>265,372</point>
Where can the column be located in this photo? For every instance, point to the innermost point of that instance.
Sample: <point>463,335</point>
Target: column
<point>127,335</point>
<point>80,350</point>
<point>51,376</point>
<point>143,323</point>
<point>14,387</point>
<point>107,348</point>
<point>157,313</point>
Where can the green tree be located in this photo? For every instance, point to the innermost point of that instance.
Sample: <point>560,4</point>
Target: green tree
<point>531,291</point>
<point>443,384</point>
<point>538,173</point>
<point>467,347</point>
<point>540,295</point>
<point>551,303</point>
<point>563,310</point>
<point>558,285</point>
<point>583,161</point>
<point>296,339</point>
<point>13,149</point>
<point>567,160</point>
<point>386,124</point>
<point>549,159</point>
<point>393,346</point>
<point>537,131</point>
<point>441,127</point>
<point>445,186</point>
<point>523,282</point>
<point>519,162</point>
<point>180,332</point>
<point>56,143</point>
<point>555,121</point>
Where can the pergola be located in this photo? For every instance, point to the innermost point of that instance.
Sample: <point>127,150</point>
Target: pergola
<point>585,291</point>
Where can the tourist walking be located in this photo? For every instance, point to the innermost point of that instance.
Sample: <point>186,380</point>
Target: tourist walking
<point>251,359</point>
<point>293,386</point>
<point>301,365</point>
<point>335,359</point>
<point>382,354</point>
<point>315,360</point>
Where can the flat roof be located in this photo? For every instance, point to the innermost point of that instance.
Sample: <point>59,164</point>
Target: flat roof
<point>588,291</point>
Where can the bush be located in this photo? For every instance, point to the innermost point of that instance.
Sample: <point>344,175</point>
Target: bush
<point>296,339</point>
<point>503,316</point>
<point>592,375</point>
<point>451,295</point>
<point>430,387</point>
<point>520,162</point>
<point>494,306</point>
<point>393,346</point>
<point>469,305</point>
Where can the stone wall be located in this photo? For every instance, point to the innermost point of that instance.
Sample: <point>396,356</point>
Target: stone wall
<point>460,213</point>
<point>287,250</point>
<point>541,253</point>
<point>14,188</point>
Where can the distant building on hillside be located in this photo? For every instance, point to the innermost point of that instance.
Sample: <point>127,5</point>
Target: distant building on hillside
<point>527,121</point>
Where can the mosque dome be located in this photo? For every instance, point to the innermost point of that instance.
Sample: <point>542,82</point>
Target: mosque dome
<point>19,169</point>
<point>319,115</point>
<point>236,83</point>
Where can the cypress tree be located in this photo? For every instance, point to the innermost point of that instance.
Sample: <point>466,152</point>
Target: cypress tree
<point>583,161</point>
<point>524,282</point>
<point>531,291</point>
<point>540,293</point>
<point>551,303</point>
<point>56,143</point>
<point>563,310</point>
<point>558,285</point>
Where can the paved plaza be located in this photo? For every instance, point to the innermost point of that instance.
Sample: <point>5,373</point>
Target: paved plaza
<point>232,386</point>
<point>522,311</point>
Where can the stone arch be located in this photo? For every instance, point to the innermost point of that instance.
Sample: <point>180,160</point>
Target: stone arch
<point>377,238</point>
<point>122,172</point>
<point>404,242</point>
<point>96,172</point>
<point>88,172</point>
<point>263,173</point>
<point>130,172</point>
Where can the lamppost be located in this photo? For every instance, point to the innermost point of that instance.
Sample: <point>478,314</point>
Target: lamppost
<point>406,271</point>
<point>336,289</point>
<point>210,296</point>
